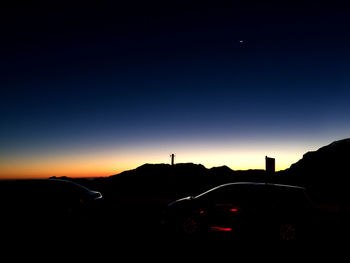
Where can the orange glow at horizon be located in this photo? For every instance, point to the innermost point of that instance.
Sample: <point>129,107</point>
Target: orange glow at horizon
<point>105,163</point>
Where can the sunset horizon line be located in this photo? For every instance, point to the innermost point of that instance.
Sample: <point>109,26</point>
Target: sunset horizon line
<point>103,175</point>
<point>102,166</point>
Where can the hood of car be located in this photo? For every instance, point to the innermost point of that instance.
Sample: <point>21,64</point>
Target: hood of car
<point>182,200</point>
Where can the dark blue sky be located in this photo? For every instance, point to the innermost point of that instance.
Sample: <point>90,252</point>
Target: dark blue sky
<point>160,78</point>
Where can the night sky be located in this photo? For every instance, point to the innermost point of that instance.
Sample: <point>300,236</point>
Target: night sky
<point>95,88</point>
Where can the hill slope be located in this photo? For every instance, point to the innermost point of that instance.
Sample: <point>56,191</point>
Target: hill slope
<point>181,179</point>
<point>326,172</point>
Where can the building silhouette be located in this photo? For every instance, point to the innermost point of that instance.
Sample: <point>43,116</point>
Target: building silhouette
<point>270,165</point>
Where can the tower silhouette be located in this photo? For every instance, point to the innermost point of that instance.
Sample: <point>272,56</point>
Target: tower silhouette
<point>172,156</point>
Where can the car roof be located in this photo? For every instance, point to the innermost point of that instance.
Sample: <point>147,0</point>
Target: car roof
<point>255,184</point>
<point>263,185</point>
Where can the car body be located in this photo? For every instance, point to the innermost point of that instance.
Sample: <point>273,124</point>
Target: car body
<point>43,201</point>
<point>254,210</point>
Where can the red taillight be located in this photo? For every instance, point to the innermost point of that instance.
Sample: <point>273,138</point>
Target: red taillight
<point>228,207</point>
<point>220,229</point>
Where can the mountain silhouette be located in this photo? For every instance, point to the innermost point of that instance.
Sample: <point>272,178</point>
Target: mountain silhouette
<point>331,158</point>
<point>325,172</point>
<point>181,179</point>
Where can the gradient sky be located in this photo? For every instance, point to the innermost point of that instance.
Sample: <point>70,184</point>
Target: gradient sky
<point>93,89</point>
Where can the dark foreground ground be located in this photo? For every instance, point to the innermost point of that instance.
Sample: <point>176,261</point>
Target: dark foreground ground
<point>132,227</point>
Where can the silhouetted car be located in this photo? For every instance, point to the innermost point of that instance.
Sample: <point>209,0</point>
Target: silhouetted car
<point>245,210</point>
<point>45,201</point>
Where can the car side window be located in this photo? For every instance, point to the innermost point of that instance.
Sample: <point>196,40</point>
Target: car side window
<point>220,195</point>
<point>241,195</point>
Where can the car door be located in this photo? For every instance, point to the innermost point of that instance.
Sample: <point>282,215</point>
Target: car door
<point>223,208</point>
